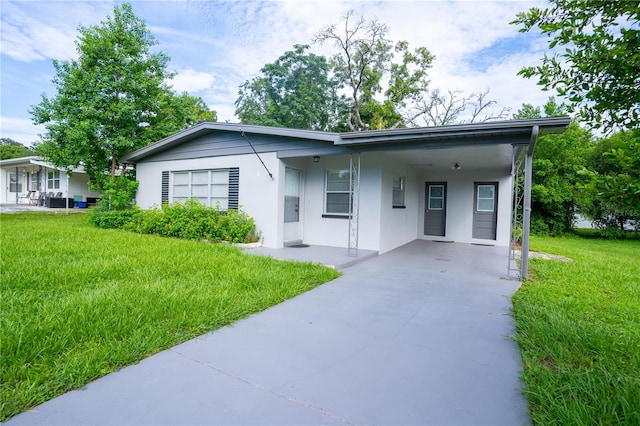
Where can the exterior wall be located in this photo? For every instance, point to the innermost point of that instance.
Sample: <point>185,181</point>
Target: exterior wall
<point>381,227</point>
<point>258,193</point>
<point>319,230</point>
<point>459,214</point>
<point>397,225</point>
<point>79,185</point>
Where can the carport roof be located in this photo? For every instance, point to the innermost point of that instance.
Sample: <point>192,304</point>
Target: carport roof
<point>514,132</point>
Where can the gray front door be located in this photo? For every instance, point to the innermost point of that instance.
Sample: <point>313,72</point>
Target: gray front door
<point>485,210</point>
<point>435,211</point>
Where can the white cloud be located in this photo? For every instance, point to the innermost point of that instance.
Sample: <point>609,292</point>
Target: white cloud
<point>39,30</point>
<point>216,46</point>
<point>191,81</point>
<point>20,129</point>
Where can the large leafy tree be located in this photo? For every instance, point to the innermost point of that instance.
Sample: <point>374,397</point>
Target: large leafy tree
<point>599,70</point>
<point>10,148</point>
<point>177,111</point>
<point>611,193</point>
<point>111,100</point>
<point>557,160</point>
<point>297,90</point>
<point>383,81</point>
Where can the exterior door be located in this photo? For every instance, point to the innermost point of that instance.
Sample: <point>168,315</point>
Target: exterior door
<point>292,196</point>
<point>435,212</point>
<point>15,186</point>
<point>485,210</point>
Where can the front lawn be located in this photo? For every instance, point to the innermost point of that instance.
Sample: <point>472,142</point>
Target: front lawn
<point>578,328</point>
<point>78,302</point>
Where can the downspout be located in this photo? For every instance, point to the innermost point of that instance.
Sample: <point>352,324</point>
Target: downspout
<point>526,222</point>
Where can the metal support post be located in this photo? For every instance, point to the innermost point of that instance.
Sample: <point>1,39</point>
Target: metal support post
<point>354,203</point>
<point>524,262</point>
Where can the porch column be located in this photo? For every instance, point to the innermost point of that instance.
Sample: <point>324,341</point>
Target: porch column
<point>528,161</point>
<point>354,203</point>
<point>17,183</point>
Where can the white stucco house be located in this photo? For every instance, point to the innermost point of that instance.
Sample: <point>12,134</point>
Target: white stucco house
<point>24,179</point>
<point>374,190</point>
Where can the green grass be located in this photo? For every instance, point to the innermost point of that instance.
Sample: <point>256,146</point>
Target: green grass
<point>78,302</point>
<point>578,328</point>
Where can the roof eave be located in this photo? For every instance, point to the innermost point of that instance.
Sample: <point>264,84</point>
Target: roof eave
<point>230,127</point>
<point>19,160</point>
<point>549,124</point>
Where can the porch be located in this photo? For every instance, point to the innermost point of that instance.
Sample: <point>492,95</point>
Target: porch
<point>31,181</point>
<point>471,260</point>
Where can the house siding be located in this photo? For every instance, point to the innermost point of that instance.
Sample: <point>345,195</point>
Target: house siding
<point>257,191</point>
<point>397,225</point>
<point>232,143</point>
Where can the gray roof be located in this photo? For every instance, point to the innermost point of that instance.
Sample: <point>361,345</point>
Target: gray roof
<point>515,132</point>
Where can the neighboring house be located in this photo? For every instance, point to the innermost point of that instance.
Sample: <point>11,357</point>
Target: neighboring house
<point>374,190</point>
<point>18,176</point>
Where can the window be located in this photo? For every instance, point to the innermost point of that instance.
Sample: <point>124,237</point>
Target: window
<point>14,183</point>
<point>209,187</point>
<point>485,201</point>
<point>33,185</point>
<point>337,192</point>
<point>436,197</point>
<point>53,179</point>
<point>398,192</point>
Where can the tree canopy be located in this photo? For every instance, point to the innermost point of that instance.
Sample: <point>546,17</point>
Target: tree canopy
<point>10,148</point>
<point>369,83</point>
<point>611,191</point>
<point>599,70</point>
<point>297,90</point>
<point>382,79</point>
<point>556,162</point>
<point>113,99</point>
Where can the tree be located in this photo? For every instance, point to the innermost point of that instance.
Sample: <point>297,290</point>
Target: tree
<point>10,148</point>
<point>598,71</point>
<point>455,107</point>
<point>365,66</point>
<point>176,112</point>
<point>611,193</point>
<point>297,90</point>
<point>556,162</point>
<point>112,100</point>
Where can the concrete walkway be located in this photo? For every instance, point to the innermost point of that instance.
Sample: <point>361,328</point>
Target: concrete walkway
<point>333,257</point>
<point>418,335</point>
<point>20,208</point>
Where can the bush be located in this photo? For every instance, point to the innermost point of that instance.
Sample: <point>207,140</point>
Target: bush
<point>190,220</point>
<point>113,218</point>
<point>118,193</point>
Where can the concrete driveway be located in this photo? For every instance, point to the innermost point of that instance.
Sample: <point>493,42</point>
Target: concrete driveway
<point>418,335</point>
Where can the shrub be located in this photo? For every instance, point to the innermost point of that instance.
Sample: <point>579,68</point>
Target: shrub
<point>190,220</point>
<point>118,193</point>
<point>113,218</point>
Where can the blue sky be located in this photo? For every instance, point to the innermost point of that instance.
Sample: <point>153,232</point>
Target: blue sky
<point>217,45</point>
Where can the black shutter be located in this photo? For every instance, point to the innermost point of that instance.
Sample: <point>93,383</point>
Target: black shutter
<point>234,187</point>
<point>165,188</point>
